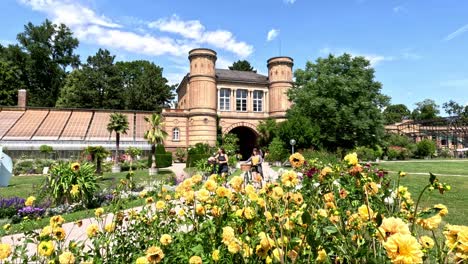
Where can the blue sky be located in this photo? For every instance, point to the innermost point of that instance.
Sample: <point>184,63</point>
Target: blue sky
<point>418,48</point>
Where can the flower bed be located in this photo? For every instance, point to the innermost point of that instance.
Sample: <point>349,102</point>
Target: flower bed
<point>316,213</point>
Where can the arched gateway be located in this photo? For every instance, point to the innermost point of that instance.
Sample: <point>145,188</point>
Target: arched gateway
<point>247,135</point>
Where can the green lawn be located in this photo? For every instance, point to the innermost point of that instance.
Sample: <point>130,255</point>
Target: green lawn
<point>456,199</point>
<point>23,186</point>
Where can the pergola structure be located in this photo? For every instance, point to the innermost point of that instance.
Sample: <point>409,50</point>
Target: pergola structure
<point>447,132</point>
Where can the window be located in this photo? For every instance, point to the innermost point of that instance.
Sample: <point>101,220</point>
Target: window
<point>258,101</point>
<point>224,99</point>
<point>175,134</point>
<point>241,100</point>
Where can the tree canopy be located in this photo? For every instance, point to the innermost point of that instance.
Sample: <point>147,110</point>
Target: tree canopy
<point>426,109</point>
<point>242,65</point>
<point>396,113</point>
<point>341,98</point>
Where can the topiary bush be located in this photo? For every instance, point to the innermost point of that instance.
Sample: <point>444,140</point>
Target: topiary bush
<point>201,151</point>
<point>163,158</point>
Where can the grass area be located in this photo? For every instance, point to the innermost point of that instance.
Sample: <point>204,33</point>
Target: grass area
<point>456,199</point>
<point>23,186</point>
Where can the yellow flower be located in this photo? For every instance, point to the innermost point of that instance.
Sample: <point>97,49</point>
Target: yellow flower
<point>141,260</point>
<point>189,196</point>
<point>160,205</point>
<point>402,174</point>
<point>197,178</point>
<point>249,188</point>
<point>46,231</point>
<point>391,226</point>
<point>181,212</point>
<point>329,197</point>
<point>249,213</point>
<point>6,227</point>
<point>430,223</point>
<point>352,159</point>
<point>143,194</point>
<point>253,196</point>
<point>5,251</point>
<point>195,260</point>
<point>215,211</point>
<point>463,242</point>
<point>223,192</point>
<point>278,254</point>
<point>268,215</point>
<point>228,235</point>
<point>233,247</point>
<point>268,260</point>
<point>67,258</point>
<point>149,200</point>
<point>154,254</point>
<point>289,179</point>
<point>292,254</point>
<point>365,212</point>
<point>403,248</point>
<point>372,188</point>
<point>203,195</point>
<point>322,212</point>
<point>30,201</point>
<point>92,230</point>
<point>296,160</point>
<point>75,190</point>
<point>261,251</point>
<point>236,182</point>
<point>56,220</point>
<point>167,197</point>
<point>426,242</point>
<point>75,166</point>
<point>109,227</point>
<point>98,212</point>
<point>321,255</point>
<point>211,185</point>
<point>443,209</point>
<point>215,255</point>
<point>277,193</point>
<point>199,209</point>
<point>165,239</point>
<point>326,171</point>
<point>45,248</point>
<point>59,233</point>
<point>265,241</point>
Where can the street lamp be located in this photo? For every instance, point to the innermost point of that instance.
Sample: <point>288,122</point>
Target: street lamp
<point>292,142</point>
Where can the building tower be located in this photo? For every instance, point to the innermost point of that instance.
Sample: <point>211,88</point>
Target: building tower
<point>280,81</point>
<point>202,97</point>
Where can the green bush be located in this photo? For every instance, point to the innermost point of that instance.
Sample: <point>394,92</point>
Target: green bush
<point>365,153</point>
<point>322,155</point>
<point>425,148</point>
<point>445,153</point>
<point>180,154</point>
<point>163,160</point>
<point>276,151</point>
<point>192,159</point>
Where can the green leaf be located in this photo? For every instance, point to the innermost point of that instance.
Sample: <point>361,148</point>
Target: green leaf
<point>306,218</point>
<point>198,249</point>
<point>432,178</point>
<point>330,230</point>
<point>429,213</point>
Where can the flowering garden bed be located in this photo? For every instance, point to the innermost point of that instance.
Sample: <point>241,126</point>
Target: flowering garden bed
<point>322,213</point>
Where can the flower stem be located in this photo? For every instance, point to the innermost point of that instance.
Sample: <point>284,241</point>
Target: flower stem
<point>416,207</point>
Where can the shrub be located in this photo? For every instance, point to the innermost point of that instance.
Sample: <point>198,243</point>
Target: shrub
<point>425,148</point>
<point>365,154</point>
<point>445,153</point>
<point>46,149</point>
<point>192,159</point>
<point>201,151</point>
<point>163,158</point>
<point>276,151</point>
<point>180,154</point>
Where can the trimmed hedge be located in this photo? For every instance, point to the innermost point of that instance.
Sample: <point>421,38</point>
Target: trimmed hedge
<point>163,158</point>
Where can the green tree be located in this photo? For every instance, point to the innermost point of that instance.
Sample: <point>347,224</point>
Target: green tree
<point>267,131</point>
<point>396,113</point>
<point>50,50</point>
<point>340,96</point>
<point>426,148</point>
<point>242,65</point>
<point>455,109</point>
<point>97,153</point>
<point>118,123</point>
<point>9,83</point>
<point>144,85</point>
<point>426,109</point>
<point>155,134</point>
<point>97,85</point>
<point>301,129</point>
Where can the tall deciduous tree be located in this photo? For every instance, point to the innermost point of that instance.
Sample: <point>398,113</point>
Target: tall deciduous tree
<point>396,113</point>
<point>144,85</point>
<point>9,83</point>
<point>50,50</point>
<point>267,130</point>
<point>340,96</point>
<point>427,109</point>
<point>155,134</point>
<point>97,85</point>
<point>242,65</point>
<point>118,123</point>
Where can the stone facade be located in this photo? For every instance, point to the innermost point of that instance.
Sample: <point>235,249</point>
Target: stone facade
<point>239,99</point>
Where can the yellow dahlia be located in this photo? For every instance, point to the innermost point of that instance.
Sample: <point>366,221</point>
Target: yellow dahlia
<point>67,258</point>
<point>443,209</point>
<point>352,159</point>
<point>5,251</point>
<point>98,212</point>
<point>296,160</point>
<point>195,260</point>
<point>142,260</point>
<point>210,185</point>
<point>154,254</point>
<point>59,233</point>
<point>110,227</point>
<point>404,249</point>
<point>92,230</point>
<point>165,239</point>
<point>45,248</point>
<point>321,255</point>
<point>391,226</point>
<point>228,235</point>
<point>160,205</point>
<point>30,201</point>
<point>426,242</point>
<point>75,166</point>
<point>289,179</point>
<point>430,223</point>
<point>203,195</point>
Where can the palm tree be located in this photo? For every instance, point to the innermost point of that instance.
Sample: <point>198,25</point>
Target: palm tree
<point>155,135</point>
<point>98,153</point>
<point>118,123</point>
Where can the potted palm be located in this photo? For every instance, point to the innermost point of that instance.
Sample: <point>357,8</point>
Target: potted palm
<point>154,135</point>
<point>118,123</point>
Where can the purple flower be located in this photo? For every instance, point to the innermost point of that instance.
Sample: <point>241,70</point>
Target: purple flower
<point>311,172</point>
<point>14,202</point>
<point>32,212</point>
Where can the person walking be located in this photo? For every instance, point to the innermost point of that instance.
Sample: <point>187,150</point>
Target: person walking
<point>222,159</point>
<point>256,161</point>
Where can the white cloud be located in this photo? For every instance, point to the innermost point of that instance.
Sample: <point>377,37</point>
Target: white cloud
<point>99,29</point>
<point>196,32</point>
<point>6,42</point>
<point>289,1</point>
<point>223,63</point>
<point>272,34</point>
<point>456,33</point>
<point>374,59</point>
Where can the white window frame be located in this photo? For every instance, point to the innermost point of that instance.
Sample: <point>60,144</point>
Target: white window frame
<point>257,101</point>
<point>225,99</point>
<point>175,134</point>
<point>241,100</point>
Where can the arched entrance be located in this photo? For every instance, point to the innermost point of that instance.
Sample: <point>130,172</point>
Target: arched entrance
<point>247,140</point>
